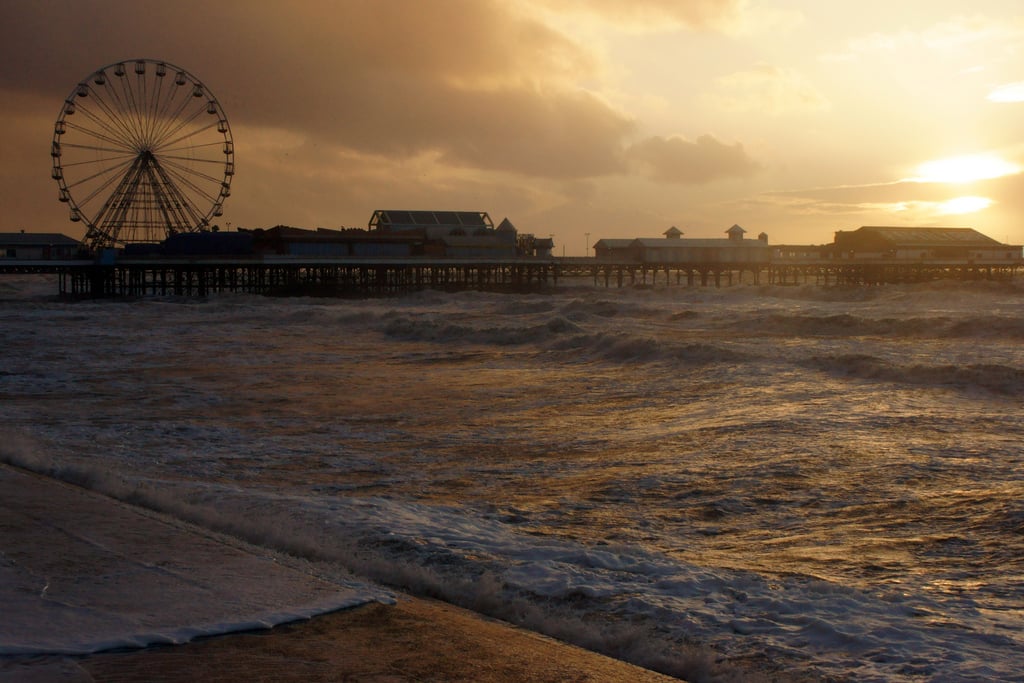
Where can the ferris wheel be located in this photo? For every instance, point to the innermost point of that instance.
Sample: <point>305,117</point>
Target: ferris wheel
<point>142,150</point>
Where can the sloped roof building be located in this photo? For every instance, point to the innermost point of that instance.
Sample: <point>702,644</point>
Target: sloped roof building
<point>463,234</point>
<point>919,243</point>
<point>36,246</point>
<point>434,223</point>
<point>673,248</point>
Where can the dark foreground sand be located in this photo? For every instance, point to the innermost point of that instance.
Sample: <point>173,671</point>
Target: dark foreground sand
<point>414,640</point>
<point>62,534</point>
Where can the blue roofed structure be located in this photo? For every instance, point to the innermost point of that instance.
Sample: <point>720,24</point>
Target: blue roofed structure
<point>463,234</point>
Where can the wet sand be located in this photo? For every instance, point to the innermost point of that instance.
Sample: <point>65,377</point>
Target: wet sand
<point>413,640</point>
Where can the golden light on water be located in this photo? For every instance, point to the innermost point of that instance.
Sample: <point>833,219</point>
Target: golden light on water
<point>965,169</point>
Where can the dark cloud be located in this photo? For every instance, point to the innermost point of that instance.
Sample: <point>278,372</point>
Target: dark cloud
<point>484,86</point>
<point>676,160</point>
<point>339,107</point>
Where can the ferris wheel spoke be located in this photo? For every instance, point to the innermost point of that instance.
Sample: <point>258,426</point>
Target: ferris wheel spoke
<point>133,112</point>
<point>149,93</point>
<point>100,189</point>
<point>178,204</point>
<point>192,175</point>
<point>111,171</point>
<point>186,161</point>
<point>108,156</point>
<point>102,156</point>
<point>167,146</point>
<point>163,184</point>
<point>174,208</point>
<point>173,102</point>
<point>111,215</point>
<point>103,162</point>
<point>106,173</point>
<point>117,112</point>
<point>189,153</point>
<point>131,109</point>
<point>181,124</point>
<point>187,170</point>
<point>106,129</point>
<point>175,118</point>
<point>189,182</point>
<point>161,100</point>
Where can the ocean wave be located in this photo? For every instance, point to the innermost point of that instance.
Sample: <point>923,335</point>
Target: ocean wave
<point>584,309</point>
<point>890,292</point>
<point>440,330</point>
<point>627,348</point>
<point>988,326</point>
<point>559,333</point>
<point>992,377</point>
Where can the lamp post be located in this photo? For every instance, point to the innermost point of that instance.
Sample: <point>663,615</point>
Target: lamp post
<point>586,247</point>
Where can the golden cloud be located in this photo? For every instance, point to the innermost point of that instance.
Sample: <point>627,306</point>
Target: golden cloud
<point>769,89</point>
<point>696,14</point>
<point>1008,92</point>
<point>677,160</point>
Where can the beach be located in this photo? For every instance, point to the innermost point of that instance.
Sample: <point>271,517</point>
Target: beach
<point>412,640</point>
<point>57,533</point>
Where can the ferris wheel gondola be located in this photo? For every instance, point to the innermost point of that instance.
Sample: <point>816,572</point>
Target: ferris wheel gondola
<point>142,150</point>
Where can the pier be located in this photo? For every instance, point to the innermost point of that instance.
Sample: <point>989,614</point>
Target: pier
<point>290,276</point>
<point>283,276</point>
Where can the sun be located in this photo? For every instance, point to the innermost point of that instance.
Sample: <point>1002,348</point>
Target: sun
<point>964,169</point>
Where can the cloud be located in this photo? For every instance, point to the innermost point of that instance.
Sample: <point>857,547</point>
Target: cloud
<point>769,89</point>
<point>962,34</point>
<point>476,81</point>
<point>677,160</point>
<point>1009,92</point>
<point>694,14</point>
<point>26,164</point>
<point>731,17</point>
<point>339,107</point>
<point>905,202</point>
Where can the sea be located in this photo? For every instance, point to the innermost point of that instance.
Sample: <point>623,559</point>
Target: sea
<point>807,482</point>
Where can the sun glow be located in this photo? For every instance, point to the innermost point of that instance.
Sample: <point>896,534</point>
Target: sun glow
<point>1011,92</point>
<point>961,205</point>
<point>964,169</point>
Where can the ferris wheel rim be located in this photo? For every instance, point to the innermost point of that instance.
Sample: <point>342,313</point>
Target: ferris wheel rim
<point>149,150</point>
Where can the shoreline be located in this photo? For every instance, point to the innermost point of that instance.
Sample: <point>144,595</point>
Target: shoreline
<point>75,559</point>
<point>415,639</point>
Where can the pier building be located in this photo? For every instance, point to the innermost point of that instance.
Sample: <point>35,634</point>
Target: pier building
<point>37,246</point>
<point>881,254</point>
<point>695,259</point>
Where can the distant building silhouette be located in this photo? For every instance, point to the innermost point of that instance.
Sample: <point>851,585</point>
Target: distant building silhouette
<point>38,246</point>
<point>937,244</point>
<point>676,249</point>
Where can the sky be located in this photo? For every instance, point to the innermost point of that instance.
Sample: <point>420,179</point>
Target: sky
<point>577,119</point>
